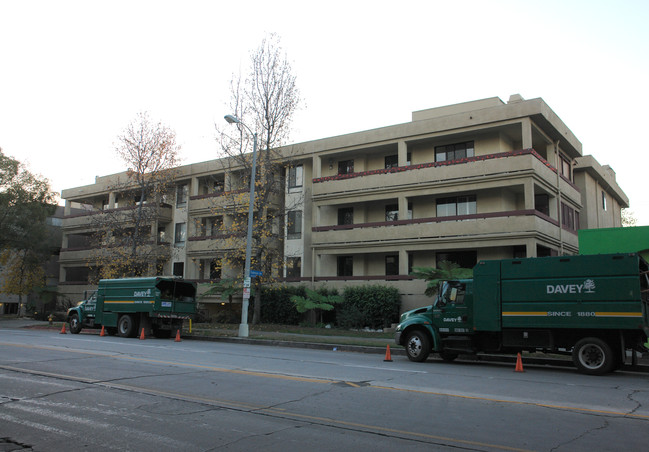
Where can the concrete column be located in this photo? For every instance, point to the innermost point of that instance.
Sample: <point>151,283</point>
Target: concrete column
<point>529,195</point>
<point>403,262</point>
<point>403,156</point>
<point>403,207</point>
<point>526,131</point>
<point>317,166</point>
<point>530,248</point>
<point>193,189</point>
<point>111,200</point>
<point>66,209</point>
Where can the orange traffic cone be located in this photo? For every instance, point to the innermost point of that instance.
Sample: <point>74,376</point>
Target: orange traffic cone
<point>63,329</point>
<point>142,335</point>
<point>103,333</point>
<point>388,357</point>
<point>519,364</point>
<point>177,336</point>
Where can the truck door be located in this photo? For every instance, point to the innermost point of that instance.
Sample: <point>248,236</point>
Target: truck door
<point>451,313</point>
<point>90,306</point>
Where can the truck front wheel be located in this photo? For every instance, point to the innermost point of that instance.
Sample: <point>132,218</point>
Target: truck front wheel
<point>126,326</point>
<point>593,356</point>
<point>75,325</point>
<point>417,346</point>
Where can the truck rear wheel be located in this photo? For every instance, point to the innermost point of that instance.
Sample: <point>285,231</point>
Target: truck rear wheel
<point>126,326</point>
<point>593,356</point>
<point>75,325</point>
<point>417,346</point>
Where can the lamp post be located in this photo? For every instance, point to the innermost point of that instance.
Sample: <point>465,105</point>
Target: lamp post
<point>243,326</point>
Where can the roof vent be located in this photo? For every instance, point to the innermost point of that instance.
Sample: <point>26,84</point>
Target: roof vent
<point>515,98</point>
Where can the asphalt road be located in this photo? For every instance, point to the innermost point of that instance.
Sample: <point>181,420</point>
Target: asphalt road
<point>76,392</point>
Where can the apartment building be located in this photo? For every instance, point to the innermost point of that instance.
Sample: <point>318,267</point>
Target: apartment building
<point>478,180</point>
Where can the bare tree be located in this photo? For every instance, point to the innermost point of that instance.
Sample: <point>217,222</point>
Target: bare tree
<point>127,235</point>
<point>265,102</point>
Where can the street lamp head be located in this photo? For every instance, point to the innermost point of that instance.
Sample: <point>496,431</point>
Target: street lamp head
<point>232,119</point>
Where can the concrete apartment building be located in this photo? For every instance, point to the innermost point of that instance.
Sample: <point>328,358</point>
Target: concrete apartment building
<point>478,180</point>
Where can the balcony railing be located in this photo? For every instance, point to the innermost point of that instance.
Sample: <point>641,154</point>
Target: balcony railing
<point>85,219</point>
<point>428,173</point>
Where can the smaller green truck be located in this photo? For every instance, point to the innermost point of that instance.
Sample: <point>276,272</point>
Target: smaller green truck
<point>594,308</point>
<point>126,306</point>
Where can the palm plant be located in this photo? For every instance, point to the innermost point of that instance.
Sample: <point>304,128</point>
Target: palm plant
<point>445,271</point>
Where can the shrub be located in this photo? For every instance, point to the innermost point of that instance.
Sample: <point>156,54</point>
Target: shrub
<point>369,306</point>
<point>277,307</point>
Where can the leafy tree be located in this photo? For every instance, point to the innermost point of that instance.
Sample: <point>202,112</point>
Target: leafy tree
<point>265,102</point>
<point>22,195</point>
<point>628,218</point>
<point>314,300</point>
<point>25,203</point>
<point>126,238</point>
<point>446,271</point>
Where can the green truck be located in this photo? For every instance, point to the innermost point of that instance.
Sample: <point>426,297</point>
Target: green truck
<point>594,308</point>
<point>125,306</point>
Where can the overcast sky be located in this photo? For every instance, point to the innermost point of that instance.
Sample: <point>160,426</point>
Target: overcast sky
<point>73,74</point>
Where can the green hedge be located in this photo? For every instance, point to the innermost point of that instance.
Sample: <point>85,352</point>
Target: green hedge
<point>277,307</point>
<point>365,306</point>
<point>369,306</point>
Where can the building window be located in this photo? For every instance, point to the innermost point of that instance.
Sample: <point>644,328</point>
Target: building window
<point>456,205</point>
<point>295,176</point>
<point>603,200</point>
<point>391,161</point>
<point>179,269</point>
<point>392,212</point>
<point>180,235</point>
<point>569,217</point>
<point>346,215</point>
<point>392,265</point>
<point>454,151</point>
<point>465,259</point>
<point>181,195</point>
<point>162,232</point>
<point>293,267</point>
<point>294,226</point>
<point>211,269</point>
<point>345,266</point>
<point>346,167</point>
<point>542,204</point>
<point>210,226</point>
<point>566,168</point>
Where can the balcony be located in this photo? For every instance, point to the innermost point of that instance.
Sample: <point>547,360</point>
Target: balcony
<point>90,219</point>
<point>219,200</point>
<point>211,245</point>
<point>484,168</point>
<point>215,202</point>
<point>458,230</point>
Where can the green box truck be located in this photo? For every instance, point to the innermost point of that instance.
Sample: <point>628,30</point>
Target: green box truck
<point>592,307</point>
<point>125,306</point>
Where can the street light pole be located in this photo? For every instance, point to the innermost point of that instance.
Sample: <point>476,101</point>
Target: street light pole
<point>243,326</point>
